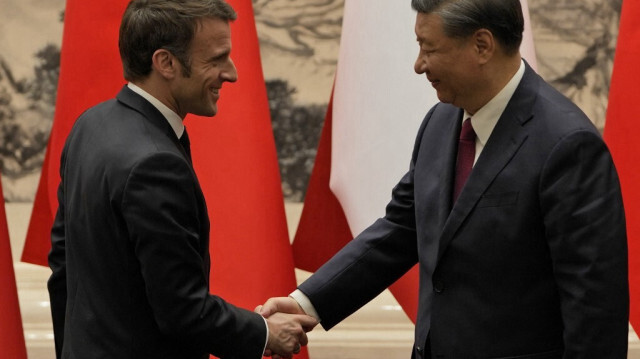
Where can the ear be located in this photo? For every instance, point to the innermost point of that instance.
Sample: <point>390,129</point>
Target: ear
<point>164,63</point>
<point>484,44</point>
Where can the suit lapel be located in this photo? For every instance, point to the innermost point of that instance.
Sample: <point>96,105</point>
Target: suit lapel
<point>448,165</point>
<point>139,104</point>
<point>434,169</point>
<point>505,140</point>
<point>136,102</point>
<point>131,99</point>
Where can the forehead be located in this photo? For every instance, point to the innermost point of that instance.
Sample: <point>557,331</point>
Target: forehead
<point>212,34</point>
<point>428,27</point>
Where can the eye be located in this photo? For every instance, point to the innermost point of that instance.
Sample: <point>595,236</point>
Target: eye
<point>426,51</point>
<point>219,59</point>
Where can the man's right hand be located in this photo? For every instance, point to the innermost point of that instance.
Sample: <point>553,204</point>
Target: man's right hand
<point>287,333</point>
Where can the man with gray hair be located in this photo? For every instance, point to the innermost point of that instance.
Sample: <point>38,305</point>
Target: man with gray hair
<point>511,207</point>
<point>130,242</point>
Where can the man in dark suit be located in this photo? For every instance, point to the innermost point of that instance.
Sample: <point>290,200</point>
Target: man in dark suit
<point>130,240</point>
<point>527,257</point>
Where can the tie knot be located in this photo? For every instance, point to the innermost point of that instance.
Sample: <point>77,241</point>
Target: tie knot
<point>467,132</point>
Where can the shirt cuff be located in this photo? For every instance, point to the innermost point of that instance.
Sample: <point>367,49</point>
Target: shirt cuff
<point>267,338</point>
<point>305,303</point>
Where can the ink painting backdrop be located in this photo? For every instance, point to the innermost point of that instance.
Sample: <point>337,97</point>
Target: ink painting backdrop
<point>575,43</point>
<point>30,34</point>
<point>299,40</point>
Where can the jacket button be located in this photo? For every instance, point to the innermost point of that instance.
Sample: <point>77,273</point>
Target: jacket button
<point>438,286</point>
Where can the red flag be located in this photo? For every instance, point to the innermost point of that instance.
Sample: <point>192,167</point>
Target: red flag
<point>11,333</point>
<point>323,221</point>
<point>234,154</point>
<point>235,157</point>
<point>370,126</point>
<point>90,72</point>
<point>619,133</point>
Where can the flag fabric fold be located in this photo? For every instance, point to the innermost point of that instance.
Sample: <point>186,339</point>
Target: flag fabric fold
<point>365,147</point>
<point>234,154</point>
<point>90,72</point>
<point>11,332</point>
<point>619,134</point>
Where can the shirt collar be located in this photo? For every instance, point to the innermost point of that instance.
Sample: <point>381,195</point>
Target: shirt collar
<point>485,119</point>
<point>173,118</point>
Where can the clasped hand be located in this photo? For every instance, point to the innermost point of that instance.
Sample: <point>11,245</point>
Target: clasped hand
<point>288,325</point>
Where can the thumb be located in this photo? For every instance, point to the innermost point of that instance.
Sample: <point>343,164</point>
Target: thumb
<point>307,322</point>
<point>266,309</point>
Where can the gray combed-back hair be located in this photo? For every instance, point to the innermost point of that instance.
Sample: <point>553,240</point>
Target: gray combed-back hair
<point>461,18</point>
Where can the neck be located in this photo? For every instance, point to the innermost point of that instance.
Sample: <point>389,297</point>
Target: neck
<point>159,89</point>
<point>497,74</point>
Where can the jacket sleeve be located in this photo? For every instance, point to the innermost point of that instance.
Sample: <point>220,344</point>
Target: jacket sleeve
<point>586,233</point>
<point>373,260</point>
<point>57,284</point>
<point>160,209</point>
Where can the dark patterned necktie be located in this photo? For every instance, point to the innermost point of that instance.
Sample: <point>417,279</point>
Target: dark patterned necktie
<point>466,155</point>
<point>184,141</point>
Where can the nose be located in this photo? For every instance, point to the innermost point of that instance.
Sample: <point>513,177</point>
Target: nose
<point>420,67</point>
<point>230,73</point>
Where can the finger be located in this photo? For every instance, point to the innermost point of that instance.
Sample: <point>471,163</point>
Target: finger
<point>268,308</point>
<point>307,322</point>
<point>258,309</point>
<point>303,340</point>
<point>297,349</point>
<point>281,304</point>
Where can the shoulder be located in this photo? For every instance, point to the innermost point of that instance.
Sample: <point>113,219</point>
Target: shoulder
<point>546,115</point>
<point>114,139</point>
<point>440,115</point>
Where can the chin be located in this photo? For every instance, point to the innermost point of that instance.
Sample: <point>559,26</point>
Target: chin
<point>443,99</point>
<point>208,113</point>
<point>446,98</point>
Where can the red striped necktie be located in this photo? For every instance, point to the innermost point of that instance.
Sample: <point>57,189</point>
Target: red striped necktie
<point>466,155</point>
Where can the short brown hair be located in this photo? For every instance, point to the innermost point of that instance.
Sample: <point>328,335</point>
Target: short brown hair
<point>150,25</point>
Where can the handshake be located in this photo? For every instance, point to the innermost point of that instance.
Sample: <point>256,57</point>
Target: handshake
<point>288,324</point>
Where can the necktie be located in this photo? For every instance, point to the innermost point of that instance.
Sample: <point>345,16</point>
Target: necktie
<point>184,141</point>
<point>466,155</point>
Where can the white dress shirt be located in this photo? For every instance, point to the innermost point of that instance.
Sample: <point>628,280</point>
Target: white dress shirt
<point>485,119</point>
<point>173,118</point>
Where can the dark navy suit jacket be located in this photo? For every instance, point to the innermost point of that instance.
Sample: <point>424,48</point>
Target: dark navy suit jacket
<point>530,262</point>
<point>130,246</point>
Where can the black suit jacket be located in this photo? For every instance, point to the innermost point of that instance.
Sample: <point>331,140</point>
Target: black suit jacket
<point>130,246</point>
<point>530,262</point>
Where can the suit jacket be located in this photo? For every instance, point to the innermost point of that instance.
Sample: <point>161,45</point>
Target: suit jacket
<point>530,262</point>
<point>130,246</point>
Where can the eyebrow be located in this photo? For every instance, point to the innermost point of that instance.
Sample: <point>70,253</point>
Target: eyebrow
<point>221,55</point>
